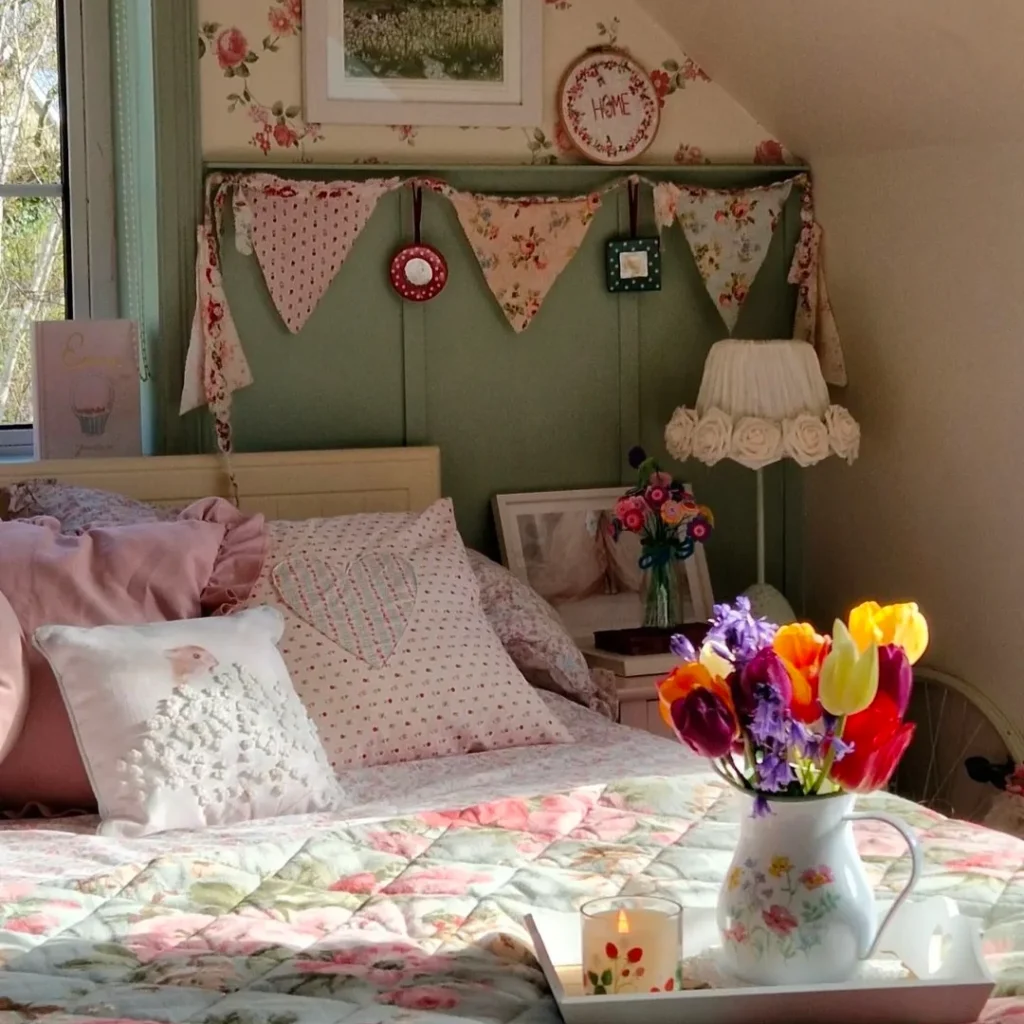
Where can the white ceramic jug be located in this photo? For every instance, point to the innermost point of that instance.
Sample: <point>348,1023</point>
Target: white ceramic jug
<point>796,907</point>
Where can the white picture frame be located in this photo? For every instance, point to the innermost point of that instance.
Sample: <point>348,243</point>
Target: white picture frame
<point>333,95</point>
<point>584,600</point>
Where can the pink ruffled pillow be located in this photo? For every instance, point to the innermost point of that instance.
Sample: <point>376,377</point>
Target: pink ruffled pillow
<point>127,575</point>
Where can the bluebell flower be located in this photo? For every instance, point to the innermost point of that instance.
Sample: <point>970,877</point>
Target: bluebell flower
<point>774,774</point>
<point>682,648</point>
<point>761,807</point>
<point>737,634</point>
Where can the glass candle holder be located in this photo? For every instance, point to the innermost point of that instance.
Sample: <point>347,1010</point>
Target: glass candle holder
<point>632,944</point>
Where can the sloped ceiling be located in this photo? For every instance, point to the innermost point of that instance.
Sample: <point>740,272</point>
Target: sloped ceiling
<point>834,77</point>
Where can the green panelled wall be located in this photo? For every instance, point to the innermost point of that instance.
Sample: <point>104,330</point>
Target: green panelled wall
<point>556,407</point>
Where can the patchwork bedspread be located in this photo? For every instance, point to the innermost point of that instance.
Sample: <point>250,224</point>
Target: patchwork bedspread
<point>410,918</point>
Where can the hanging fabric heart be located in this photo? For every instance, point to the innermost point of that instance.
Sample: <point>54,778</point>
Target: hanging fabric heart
<point>419,272</point>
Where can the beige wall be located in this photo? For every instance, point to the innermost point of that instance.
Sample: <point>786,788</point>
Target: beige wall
<point>926,263</point>
<point>701,123</point>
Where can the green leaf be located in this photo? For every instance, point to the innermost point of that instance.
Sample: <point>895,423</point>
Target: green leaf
<point>292,111</point>
<point>251,57</point>
<point>277,109</point>
<point>246,95</point>
<point>592,977</point>
<point>600,990</point>
<point>202,48</point>
<point>671,65</point>
<point>267,40</point>
<point>210,28</point>
<point>606,977</point>
<point>273,48</point>
<point>538,134</point>
<point>242,71</point>
<point>216,894</point>
<point>229,72</point>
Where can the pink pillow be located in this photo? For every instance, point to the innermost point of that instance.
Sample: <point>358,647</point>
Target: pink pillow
<point>13,678</point>
<point>388,647</point>
<point>126,575</point>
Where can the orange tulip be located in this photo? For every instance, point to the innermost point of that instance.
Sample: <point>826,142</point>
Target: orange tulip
<point>802,651</point>
<point>682,681</point>
<point>900,624</point>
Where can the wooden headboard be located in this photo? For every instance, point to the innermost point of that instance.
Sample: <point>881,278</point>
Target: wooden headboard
<point>281,485</point>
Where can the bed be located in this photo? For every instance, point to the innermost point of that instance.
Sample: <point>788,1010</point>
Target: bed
<point>409,906</point>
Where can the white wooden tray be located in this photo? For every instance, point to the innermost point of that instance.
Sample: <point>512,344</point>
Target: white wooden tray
<point>944,978</point>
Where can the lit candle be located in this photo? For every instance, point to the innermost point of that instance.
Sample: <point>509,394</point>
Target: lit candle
<point>631,944</point>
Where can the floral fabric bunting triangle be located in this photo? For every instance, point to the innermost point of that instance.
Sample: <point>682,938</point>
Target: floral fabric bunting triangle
<point>523,245</point>
<point>302,233</point>
<point>729,232</point>
<point>215,366</point>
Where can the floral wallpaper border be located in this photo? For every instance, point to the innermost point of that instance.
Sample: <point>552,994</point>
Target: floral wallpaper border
<point>250,66</point>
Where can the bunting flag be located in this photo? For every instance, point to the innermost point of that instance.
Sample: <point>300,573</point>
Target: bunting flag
<point>729,232</point>
<point>815,320</point>
<point>523,245</point>
<point>215,366</point>
<point>302,233</point>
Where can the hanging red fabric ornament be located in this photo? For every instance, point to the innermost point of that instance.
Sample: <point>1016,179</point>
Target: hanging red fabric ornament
<point>418,272</point>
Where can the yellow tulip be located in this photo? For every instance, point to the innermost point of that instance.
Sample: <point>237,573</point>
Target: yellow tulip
<point>849,677</point>
<point>901,624</point>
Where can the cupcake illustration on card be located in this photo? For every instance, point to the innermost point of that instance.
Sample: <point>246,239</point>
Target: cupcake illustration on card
<point>87,389</point>
<point>92,400</point>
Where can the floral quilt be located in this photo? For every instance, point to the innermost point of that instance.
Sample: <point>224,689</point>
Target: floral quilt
<point>414,918</point>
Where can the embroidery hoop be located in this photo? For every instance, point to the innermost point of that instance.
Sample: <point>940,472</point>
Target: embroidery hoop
<point>418,272</point>
<point>640,86</point>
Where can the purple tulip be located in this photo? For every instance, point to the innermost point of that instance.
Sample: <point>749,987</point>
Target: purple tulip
<point>704,722</point>
<point>765,669</point>
<point>895,676</point>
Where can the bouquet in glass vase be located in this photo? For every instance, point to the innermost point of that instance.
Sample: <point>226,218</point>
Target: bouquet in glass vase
<point>799,723</point>
<point>669,522</point>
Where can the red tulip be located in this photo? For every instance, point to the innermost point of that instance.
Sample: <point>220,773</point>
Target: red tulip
<point>704,722</point>
<point>895,676</point>
<point>880,738</point>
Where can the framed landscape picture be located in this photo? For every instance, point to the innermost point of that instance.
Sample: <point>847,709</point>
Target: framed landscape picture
<point>424,62</point>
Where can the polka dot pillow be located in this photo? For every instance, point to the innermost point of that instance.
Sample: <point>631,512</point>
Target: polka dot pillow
<point>387,645</point>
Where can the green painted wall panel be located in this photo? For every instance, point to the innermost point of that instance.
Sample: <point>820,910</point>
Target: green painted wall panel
<point>555,407</point>
<point>339,383</point>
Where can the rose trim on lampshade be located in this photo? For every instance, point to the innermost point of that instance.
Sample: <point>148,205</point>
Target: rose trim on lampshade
<point>755,442</point>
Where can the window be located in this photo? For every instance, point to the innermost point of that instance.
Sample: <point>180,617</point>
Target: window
<point>54,140</point>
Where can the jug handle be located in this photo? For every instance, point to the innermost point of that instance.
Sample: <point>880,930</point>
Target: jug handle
<point>916,867</point>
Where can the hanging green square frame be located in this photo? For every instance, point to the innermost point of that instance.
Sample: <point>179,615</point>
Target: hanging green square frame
<point>634,265</point>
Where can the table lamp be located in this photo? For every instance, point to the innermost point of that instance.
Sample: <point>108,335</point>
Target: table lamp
<point>759,402</point>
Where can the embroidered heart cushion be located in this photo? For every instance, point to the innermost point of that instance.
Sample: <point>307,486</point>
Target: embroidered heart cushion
<point>387,644</point>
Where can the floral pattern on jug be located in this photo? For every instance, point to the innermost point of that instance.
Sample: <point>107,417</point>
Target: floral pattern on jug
<point>778,909</point>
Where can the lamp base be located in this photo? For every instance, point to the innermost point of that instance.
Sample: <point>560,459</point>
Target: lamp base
<point>768,603</point>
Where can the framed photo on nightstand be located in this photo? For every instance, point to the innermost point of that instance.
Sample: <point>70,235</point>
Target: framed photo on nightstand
<point>560,544</point>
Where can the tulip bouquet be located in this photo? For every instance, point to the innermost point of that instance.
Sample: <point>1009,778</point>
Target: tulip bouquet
<point>787,712</point>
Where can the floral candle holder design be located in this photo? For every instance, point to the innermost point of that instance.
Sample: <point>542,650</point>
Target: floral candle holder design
<point>631,945</point>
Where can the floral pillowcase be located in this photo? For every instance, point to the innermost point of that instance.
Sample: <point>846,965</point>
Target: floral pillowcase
<point>78,509</point>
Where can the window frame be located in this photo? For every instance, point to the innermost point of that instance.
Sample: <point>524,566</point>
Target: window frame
<point>88,186</point>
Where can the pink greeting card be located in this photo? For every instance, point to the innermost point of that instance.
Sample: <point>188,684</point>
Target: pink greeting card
<point>87,401</point>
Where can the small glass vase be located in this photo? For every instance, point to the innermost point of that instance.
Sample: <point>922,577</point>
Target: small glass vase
<point>662,595</point>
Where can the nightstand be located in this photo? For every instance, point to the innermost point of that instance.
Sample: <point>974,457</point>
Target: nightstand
<point>636,679</point>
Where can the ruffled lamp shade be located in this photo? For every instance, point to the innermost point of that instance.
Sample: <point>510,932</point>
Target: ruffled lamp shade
<point>759,402</point>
